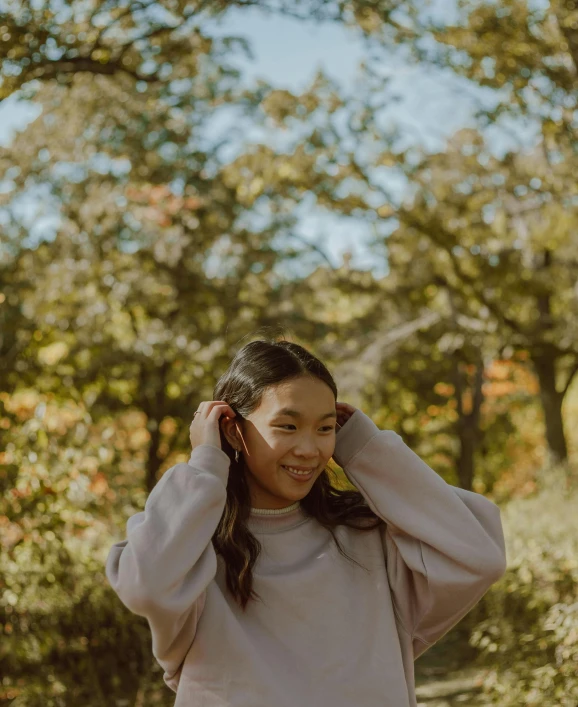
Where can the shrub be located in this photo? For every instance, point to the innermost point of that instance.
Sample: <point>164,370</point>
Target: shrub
<point>526,628</point>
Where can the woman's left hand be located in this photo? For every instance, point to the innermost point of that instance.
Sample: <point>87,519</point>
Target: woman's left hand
<point>344,412</point>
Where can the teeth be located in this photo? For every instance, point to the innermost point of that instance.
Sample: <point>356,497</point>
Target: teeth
<point>296,471</point>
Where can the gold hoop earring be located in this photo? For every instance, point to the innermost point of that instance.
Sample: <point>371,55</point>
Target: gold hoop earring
<point>236,455</point>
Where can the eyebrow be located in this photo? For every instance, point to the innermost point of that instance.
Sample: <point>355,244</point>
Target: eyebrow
<point>295,413</point>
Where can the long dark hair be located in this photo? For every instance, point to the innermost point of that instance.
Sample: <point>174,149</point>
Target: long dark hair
<point>255,367</point>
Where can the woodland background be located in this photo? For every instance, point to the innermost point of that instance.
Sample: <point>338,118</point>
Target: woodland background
<point>179,186</point>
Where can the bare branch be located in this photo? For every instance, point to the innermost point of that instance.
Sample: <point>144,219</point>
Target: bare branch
<point>573,372</point>
<point>77,64</point>
<point>314,247</point>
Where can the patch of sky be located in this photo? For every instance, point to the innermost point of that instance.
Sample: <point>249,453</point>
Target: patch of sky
<point>36,212</point>
<point>180,86</point>
<point>289,52</point>
<point>391,183</point>
<point>70,171</point>
<point>15,116</point>
<point>52,50</point>
<point>326,236</point>
<point>488,213</point>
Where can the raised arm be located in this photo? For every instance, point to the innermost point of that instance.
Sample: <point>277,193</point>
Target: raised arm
<point>444,546</point>
<point>162,570</point>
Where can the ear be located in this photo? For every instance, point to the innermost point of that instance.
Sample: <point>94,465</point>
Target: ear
<point>229,429</point>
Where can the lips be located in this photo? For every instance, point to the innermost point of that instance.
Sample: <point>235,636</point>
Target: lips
<point>300,468</point>
<point>299,477</point>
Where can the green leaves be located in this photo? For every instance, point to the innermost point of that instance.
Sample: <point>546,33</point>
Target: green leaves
<point>528,635</point>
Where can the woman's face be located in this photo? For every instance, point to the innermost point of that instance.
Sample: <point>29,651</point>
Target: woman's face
<point>293,426</point>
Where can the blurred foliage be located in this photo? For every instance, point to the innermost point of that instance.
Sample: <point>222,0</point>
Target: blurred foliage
<point>505,224</point>
<point>163,199</point>
<point>65,639</point>
<point>526,627</point>
<point>493,234</point>
<point>153,42</point>
<point>507,254</point>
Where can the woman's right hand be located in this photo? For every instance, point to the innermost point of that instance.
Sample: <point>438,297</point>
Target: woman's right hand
<point>205,427</point>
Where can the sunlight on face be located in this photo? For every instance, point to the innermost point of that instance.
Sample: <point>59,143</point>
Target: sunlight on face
<point>295,426</point>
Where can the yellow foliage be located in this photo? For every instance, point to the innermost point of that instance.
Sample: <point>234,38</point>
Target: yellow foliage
<point>529,633</point>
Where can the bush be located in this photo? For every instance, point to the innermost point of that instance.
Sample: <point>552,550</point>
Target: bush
<point>70,641</point>
<point>526,628</point>
<point>65,637</point>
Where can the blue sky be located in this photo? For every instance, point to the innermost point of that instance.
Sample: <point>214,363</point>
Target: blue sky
<point>288,53</point>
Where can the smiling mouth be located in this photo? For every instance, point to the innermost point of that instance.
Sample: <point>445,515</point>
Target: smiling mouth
<point>297,473</point>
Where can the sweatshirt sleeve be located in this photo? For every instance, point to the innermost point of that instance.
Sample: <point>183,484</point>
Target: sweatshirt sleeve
<point>162,570</point>
<point>444,546</point>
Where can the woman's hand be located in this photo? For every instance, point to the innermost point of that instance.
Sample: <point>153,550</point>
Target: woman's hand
<point>344,412</point>
<point>205,427</point>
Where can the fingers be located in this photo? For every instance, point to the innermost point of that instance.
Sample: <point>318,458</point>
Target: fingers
<point>214,409</point>
<point>221,409</point>
<point>344,412</point>
<point>345,407</point>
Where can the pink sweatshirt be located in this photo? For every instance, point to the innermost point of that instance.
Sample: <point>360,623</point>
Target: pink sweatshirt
<point>329,633</point>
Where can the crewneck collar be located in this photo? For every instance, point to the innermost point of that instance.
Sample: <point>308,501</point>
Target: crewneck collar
<point>264,520</point>
<point>275,511</point>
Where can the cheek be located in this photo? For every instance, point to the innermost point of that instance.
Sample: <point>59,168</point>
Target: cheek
<point>329,447</point>
<point>271,444</point>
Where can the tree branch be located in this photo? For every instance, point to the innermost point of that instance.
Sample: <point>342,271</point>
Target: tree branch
<point>312,246</point>
<point>573,372</point>
<point>76,64</point>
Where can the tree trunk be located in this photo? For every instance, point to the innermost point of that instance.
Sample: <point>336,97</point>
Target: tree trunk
<point>544,356</point>
<point>153,461</point>
<point>551,398</point>
<point>468,424</point>
<point>153,386</point>
<point>465,462</point>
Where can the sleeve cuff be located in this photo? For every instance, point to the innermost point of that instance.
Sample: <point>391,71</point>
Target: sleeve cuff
<point>211,459</point>
<point>353,436</point>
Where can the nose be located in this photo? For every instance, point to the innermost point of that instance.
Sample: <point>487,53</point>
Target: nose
<point>307,449</point>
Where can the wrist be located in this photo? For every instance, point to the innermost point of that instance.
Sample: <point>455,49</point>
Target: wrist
<point>353,436</point>
<point>212,459</point>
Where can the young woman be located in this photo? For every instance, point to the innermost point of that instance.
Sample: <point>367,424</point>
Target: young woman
<point>266,586</point>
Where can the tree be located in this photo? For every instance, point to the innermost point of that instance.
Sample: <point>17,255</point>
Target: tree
<point>483,217</point>
<point>511,249</point>
<point>152,42</point>
<point>527,56</point>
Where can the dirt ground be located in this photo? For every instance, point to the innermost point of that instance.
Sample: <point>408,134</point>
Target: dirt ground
<point>445,676</point>
<point>459,688</point>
